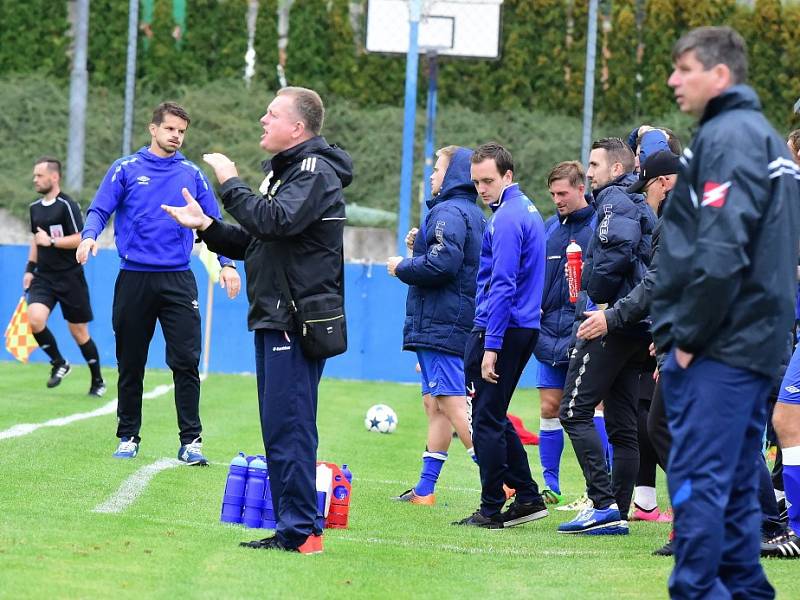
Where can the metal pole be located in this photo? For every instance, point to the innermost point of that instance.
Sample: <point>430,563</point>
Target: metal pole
<point>588,84</point>
<point>78,83</point>
<point>406,170</point>
<point>430,129</point>
<point>130,75</point>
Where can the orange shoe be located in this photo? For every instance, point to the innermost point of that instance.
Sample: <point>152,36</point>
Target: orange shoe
<point>412,497</point>
<point>312,545</point>
<point>510,492</point>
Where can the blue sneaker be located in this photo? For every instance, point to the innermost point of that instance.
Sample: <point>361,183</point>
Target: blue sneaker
<point>192,454</point>
<point>127,448</point>
<point>596,521</point>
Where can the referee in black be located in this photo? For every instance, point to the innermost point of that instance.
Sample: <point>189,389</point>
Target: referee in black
<point>53,275</point>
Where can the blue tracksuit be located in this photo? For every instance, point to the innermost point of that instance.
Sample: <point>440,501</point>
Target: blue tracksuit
<point>511,272</point>
<point>135,187</point>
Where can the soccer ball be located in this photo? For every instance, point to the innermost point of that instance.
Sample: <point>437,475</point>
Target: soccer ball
<point>381,419</point>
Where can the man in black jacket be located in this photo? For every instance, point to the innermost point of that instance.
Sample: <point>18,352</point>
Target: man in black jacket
<point>722,307</point>
<point>295,224</point>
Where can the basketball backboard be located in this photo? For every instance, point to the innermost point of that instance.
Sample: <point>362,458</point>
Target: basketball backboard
<point>469,28</point>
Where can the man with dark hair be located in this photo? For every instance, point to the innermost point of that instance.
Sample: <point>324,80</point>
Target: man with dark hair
<point>793,142</point>
<point>154,282</point>
<point>607,369</point>
<point>52,274</point>
<point>292,230</point>
<point>441,308</point>
<point>723,308</point>
<point>574,221</point>
<point>507,317</point>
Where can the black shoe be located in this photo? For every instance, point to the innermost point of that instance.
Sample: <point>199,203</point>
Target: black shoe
<point>665,550</point>
<point>521,512</point>
<point>98,388</point>
<point>784,546</point>
<point>476,519</point>
<point>57,373</point>
<point>268,543</point>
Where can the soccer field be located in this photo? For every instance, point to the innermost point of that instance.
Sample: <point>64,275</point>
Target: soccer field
<point>168,541</point>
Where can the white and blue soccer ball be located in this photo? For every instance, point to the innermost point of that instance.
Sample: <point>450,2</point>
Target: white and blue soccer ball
<point>380,419</point>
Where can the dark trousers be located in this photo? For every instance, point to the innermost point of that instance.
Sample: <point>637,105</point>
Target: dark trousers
<point>717,417</point>
<point>501,456</point>
<point>141,298</point>
<point>605,369</point>
<point>648,457</point>
<point>657,427</point>
<point>287,403</point>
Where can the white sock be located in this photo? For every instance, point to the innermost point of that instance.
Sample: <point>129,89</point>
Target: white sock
<point>599,413</point>
<point>471,452</point>
<point>549,425</point>
<point>645,497</point>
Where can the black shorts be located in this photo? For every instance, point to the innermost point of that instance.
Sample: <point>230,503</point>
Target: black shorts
<point>68,288</point>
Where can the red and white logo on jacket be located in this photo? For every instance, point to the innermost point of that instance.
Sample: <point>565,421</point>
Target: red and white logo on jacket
<point>715,194</point>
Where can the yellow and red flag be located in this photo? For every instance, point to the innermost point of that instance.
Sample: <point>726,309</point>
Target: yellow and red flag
<point>19,337</point>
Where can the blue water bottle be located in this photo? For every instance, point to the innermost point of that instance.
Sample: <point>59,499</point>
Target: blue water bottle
<point>233,498</point>
<point>254,492</point>
<point>268,513</point>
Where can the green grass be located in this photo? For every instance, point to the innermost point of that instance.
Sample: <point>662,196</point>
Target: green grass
<point>170,543</point>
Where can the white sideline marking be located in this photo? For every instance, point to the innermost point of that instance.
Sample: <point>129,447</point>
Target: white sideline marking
<point>107,409</point>
<point>134,485</point>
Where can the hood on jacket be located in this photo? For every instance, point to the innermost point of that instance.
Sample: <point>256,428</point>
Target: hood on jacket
<point>338,159</point>
<point>457,182</point>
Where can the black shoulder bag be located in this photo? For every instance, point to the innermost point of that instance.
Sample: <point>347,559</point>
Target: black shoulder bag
<point>319,319</point>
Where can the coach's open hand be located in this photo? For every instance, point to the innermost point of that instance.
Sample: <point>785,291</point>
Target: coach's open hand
<point>191,215</point>
<point>82,253</point>
<point>224,167</point>
<point>594,326</point>
<point>487,366</point>
<point>230,280</point>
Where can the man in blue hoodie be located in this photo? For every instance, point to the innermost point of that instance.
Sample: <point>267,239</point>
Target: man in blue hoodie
<point>607,369</point>
<point>441,307</point>
<point>154,281</point>
<point>507,317</point>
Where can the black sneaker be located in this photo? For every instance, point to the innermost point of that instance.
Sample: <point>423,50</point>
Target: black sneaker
<point>665,550</point>
<point>784,546</point>
<point>476,519</point>
<point>98,388</point>
<point>57,373</point>
<point>521,512</point>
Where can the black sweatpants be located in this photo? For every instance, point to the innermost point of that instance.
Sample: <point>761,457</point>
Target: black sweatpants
<point>657,428</point>
<point>605,370</point>
<point>501,456</point>
<point>141,298</point>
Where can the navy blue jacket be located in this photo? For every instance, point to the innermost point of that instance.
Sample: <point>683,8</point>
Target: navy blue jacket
<point>558,313</point>
<point>618,255</point>
<point>511,273</point>
<point>442,273</point>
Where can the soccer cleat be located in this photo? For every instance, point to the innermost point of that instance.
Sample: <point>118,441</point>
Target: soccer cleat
<point>476,519</point>
<point>57,373</point>
<point>192,454</point>
<point>783,546</point>
<point>519,513</point>
<point>604,521</point>
<point>578,504</point>
<point>654,516</point>
<point>412,497</point>
<point>509,492</point>
<point>665,550</point>
<point>551,497</point>
<point>312,545</point>
<point>127,448</point>
<point>98,389</point>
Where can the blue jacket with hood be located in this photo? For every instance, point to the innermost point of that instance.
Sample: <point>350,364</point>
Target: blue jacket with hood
<point>442,273</point>
<point>511,273</point>
<point>558,313</point>
<point>135,187</point>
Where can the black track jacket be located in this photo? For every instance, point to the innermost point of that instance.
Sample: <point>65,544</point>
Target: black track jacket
<point>297,221</point>
<point>727,260</point>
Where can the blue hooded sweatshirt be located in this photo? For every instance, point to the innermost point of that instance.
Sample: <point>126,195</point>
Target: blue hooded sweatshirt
<point>136,186</point>
<point>511,273</point>
<point>442,273</point>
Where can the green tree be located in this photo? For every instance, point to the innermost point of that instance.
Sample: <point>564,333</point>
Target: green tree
<point>764,50</point>
<point>615,97</point>
<point>659,35</point>
<point>33,38</point>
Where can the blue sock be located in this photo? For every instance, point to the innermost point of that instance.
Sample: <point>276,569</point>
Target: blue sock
<point>432,463</point>
<point>551,445</point>
<point>600,426</point>
<point>791,484</point>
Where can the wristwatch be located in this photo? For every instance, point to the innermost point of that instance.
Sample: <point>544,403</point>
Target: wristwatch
<point>52,242</point>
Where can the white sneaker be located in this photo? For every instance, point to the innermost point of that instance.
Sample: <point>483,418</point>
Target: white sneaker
<point>578,504</point>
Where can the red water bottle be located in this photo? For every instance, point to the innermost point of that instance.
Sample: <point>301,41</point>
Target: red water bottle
<point>574,269</point>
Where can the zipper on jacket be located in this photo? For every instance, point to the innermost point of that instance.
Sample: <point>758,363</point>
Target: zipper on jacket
<point>305,323</point>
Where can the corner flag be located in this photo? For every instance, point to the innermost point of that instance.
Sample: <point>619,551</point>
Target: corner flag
<point>19,337</point>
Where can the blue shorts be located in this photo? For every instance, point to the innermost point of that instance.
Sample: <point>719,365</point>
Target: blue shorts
<point>442,374</point>
<point>790,386</point>
<point>551,377</point>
